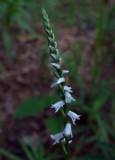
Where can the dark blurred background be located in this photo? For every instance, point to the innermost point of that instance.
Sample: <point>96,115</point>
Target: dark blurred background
<point>85,32</point>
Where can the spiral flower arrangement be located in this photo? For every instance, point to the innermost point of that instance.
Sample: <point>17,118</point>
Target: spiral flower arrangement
<point>65,136</point>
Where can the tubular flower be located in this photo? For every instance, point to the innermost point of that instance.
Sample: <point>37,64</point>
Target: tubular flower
<point>56,65</point>
<point>68,97</point>
<point>67,130</point>
<point>57,137</point>
<point>67,89</point>
<point>73,116</point>
<point>65,72</point>
<point>58,105</point>
<point>54,84</point>
<point>54,56</point>
<point>61,80</point>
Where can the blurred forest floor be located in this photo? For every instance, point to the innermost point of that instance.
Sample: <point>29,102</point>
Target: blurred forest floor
<point>29,74</point>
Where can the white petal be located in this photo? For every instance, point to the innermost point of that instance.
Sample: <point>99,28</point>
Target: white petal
<point>57,137</point>
<point>68,97</point>
<point>51,47</point>
<point>58,105</point>
<point>56,65</point>
<point>54,84</point>
<point>73,116</point>
<point>55,43</point>
<point>60,80</point>
<point>70,141</point>
<point>54,56</point>
<point>67,130</point>
<point>68,89</point>
<point>57,52</point>
<point>48,31</point>
<point>60,59</point>
<point>53,37</point>
<point>50,39</point>
<point>65,72</point>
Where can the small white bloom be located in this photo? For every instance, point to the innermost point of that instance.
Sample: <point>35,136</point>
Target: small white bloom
<point>57,52</point>
<point>73,116</point>
<point>67,130</point>
<point>60,80</point>
<point>58,105</point>
<point>65,72</point>
<point>57,137</point>
<point>70,141</point>
<point>53,36</point>
<point>48,31</point>
<point>54,56</point>
<point>55,43</point>
<point>56,65</point>
<point>68,97</point>
<point>60,59</point>
<point>67,89</point>
<point>50,38</point>
<point>52,48</point>
<point>54,84</point>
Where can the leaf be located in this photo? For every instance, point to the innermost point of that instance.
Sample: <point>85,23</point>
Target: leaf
<point>54,124</point>
<point>27,152</point>
<point>3,10</point>
<point>33,106</point>
<point>9,155</point>
<point>100,101</point>
<point>8,44</point>
<point>106,146</point>
<point>96,157</point>
<point>24,24</point>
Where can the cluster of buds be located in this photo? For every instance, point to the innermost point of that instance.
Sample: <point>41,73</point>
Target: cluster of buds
<point>64,137</point>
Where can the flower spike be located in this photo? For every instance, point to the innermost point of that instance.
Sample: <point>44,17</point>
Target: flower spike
<point>66,135</point>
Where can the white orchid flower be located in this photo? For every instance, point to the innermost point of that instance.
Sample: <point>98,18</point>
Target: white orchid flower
<point>60,80</point>
<point>58,105</point>
<point>57,137</point>
<point>65,72</point>
<point>54,84</point>
<point>68,97</point>
<point>54,56</point>
<point>52,48</point>
<point>67,130</point>
<point>73,116</point>
<point>57,52</point>
<point>56,65</point>
<point>67,89</point>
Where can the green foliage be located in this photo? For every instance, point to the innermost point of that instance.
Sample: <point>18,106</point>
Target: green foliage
<point>95,100</point>
<point>99,93</point>
<point>13,14</point>
<point>9,155</point>
<point>33,106</point>
<point>30,152</point>
<point>7,39</point>
<point>54,124</point>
